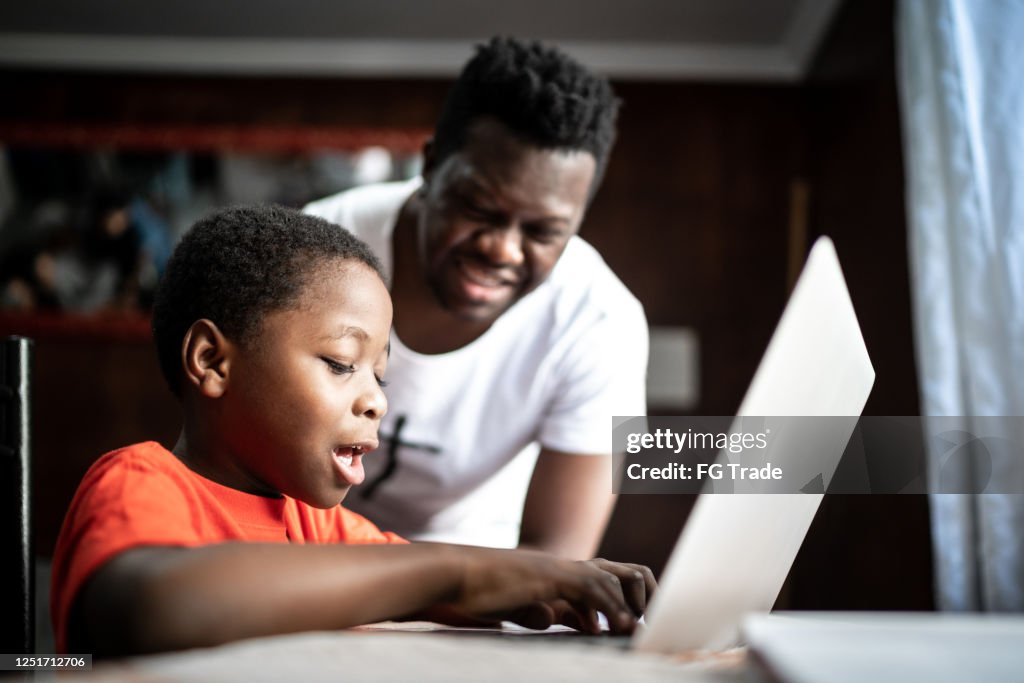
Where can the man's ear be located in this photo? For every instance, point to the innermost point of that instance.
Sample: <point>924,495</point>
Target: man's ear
<point>429,160</point>
<point>206,356</point>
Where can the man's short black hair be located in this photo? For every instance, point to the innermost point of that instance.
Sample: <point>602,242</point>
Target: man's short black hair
<point>539,93</point>
<point>237,264</point>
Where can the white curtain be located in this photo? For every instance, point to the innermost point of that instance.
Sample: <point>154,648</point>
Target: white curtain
<point>961,79</point>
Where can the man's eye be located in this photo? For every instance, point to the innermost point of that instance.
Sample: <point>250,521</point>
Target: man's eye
<point>381,382</point>
<point>338,368</point>
<point>475,212</point>
<point>544,236</point>
<point>479,215</point>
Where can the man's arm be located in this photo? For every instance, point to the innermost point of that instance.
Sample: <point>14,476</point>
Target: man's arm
<point>568,504</point>
<point>160,598</point>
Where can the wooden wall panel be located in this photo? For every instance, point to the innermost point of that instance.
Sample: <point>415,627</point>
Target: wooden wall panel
<point>865,552</point>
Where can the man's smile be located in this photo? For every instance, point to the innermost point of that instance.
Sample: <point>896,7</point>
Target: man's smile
<point>482,282</point>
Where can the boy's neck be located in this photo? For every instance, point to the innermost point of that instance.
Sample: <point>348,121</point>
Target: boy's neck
<point>213,461</point>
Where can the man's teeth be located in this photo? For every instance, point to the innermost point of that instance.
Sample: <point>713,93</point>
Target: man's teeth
<point>345,459</point>
<point>483,277</point>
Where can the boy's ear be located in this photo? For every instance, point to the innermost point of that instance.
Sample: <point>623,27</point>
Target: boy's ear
<point>206,356</point>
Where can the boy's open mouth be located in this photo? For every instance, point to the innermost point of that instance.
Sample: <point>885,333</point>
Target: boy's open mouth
<point>348,463</point>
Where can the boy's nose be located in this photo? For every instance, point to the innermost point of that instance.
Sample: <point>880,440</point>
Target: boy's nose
<point>371,403</point>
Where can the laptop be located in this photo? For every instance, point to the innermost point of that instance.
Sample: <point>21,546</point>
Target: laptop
<point>736,550</point>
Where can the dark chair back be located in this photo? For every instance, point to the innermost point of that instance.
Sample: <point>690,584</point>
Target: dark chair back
<point>17,570</point>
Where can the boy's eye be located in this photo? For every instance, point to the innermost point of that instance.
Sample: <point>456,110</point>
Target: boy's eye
<point>338,368</point>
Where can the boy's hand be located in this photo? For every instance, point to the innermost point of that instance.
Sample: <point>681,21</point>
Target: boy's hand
<point>537,590</point>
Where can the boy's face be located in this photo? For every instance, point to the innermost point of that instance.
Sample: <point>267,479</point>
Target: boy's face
<point>305,400</point>
<point>495,218</point>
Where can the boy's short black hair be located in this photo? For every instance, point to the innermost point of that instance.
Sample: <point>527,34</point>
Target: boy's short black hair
<point>237,264</point>
<point>539,93</point>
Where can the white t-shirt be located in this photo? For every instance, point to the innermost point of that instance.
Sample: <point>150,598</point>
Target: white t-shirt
<point>552,370</point>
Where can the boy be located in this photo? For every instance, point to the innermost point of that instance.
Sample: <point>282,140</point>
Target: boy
<point>272,329</point>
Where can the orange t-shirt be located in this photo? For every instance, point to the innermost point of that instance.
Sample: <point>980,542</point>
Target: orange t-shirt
<point>143,495</point>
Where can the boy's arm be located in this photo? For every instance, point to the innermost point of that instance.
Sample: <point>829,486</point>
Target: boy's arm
<point>158,598</point>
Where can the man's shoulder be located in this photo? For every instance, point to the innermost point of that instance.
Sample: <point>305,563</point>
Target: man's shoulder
<point>352,208</point>
<point>584,285</point>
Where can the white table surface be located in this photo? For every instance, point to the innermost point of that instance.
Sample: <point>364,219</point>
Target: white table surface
<point>419,652</point>
<point>850,647</point>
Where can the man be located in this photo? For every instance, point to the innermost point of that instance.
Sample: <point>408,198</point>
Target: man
<point>510,333</point>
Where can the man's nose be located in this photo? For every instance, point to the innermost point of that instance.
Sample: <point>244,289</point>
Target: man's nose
<point>502,245</point>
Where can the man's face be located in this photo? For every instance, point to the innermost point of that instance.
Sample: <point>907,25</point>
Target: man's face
<point>496,216</point>
<point>305,395</point>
